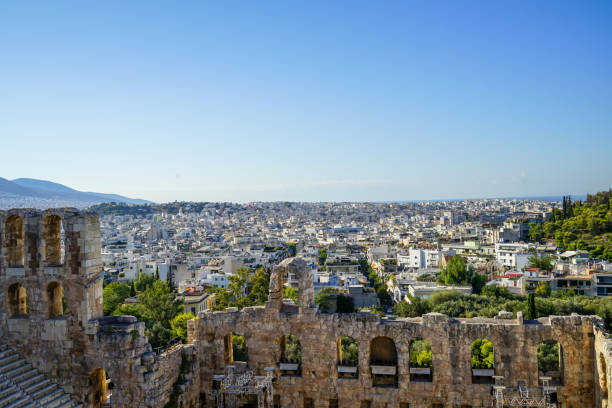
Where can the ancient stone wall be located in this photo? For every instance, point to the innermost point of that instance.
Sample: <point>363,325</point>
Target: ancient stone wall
<point>51,338</point>
<point>73,345</point>
<point>515,349</point>
<point>603,367</point>
<point>515,353</point>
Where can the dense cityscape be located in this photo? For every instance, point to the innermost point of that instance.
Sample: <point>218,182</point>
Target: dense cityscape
<point>306,204</point>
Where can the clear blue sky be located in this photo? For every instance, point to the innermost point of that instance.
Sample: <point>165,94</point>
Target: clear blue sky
<point>307,100</point>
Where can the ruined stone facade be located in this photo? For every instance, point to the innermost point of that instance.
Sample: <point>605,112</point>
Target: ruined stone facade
<point>79,347</point>
<point>451,381</point>
<point>51,312</point>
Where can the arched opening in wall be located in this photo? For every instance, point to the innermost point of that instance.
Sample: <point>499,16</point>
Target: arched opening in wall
<point>383,362</point>
<point>482,359</point>
<point>234,350</point>
<point>99,387</point>
<point>239,349</point>
<point>291,355</point>
<point>550,361</point>
<point>348,357</point>
<point>13,239</point>
<point>18,301</point>
<point>603,377</point>
<point>228,352</point>
<point>420,360</point>
<point>52,235</point>
<point>55,299</point>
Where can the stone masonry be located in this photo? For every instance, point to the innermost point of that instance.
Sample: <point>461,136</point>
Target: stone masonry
<point>72,345</point>
<point>91,356</point>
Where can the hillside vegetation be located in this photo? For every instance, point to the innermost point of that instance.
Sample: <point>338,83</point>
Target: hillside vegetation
<point>579,225</point>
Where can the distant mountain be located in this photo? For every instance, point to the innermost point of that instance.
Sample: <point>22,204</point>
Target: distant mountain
<point>27,192</point>
<point>11,188</point>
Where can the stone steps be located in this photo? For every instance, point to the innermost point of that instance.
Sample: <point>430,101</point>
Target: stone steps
<point>22,386</point>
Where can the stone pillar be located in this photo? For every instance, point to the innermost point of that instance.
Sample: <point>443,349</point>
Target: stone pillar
<point>275,295</point>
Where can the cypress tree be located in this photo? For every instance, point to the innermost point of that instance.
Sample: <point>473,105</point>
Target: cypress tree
<point>553,218</point>
<point>531,307</point>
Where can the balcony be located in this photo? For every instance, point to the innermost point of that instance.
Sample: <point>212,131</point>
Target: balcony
<point>347,371</point>
<point>383,369</point>
<point>290,368</point>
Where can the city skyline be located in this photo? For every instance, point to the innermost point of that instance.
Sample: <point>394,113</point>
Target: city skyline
<point>308,102</point>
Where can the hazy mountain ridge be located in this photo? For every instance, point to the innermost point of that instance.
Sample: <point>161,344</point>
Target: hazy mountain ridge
<point>27,192</point>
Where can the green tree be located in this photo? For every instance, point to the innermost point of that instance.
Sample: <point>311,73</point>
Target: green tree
<point>324,300</point>
<point>223,298</point>
<point>383,295</point>
<point>130,309</point>
<point>543,289</point>
<point>322,256</point>
<point>290,293</point>
<point>179,325</point>
<point>158,334</point>
<point>143,282</point>
<point>349,351</point>
<point>113,295</point>
<point>531,307</point>
<point>259,286</point>
<point>478,283</point>
<point>238,282</point>
<point>420,353</point>
<point>293,349</point>
<point>417,307</point>
<point>156,272</point>
<point>482,354</point>
<point>548,356</point>
<point>543,262</point>
<point>535,232</point>
<point>239,348</point>
<point>344,304</point>
<point>159,306</point>
<point>580,225</point>
<point>456,272</point>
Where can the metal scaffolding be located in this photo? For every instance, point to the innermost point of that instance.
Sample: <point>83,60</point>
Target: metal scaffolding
<point>523,396</point>
<point>230,387</point>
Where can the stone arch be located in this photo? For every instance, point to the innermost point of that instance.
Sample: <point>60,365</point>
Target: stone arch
<point>482,361</point>
<point>290,349</point>
<point>18,300</point>
<point>14,241</point>
<point>234,349</point>
<point>300,269</point>
<point>383,351</point>
<point>55,299</point>
<point>52,236</point>
<point>290,363</point>
<point>98,387</point>
<point>239,348</point>
<point>383,362</point>
<point>550,360</point>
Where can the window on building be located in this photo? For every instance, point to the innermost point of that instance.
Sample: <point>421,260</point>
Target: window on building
<point>18,300</point>
<point>55,299</point>
<point>14,241</point>
<point>52,236</point>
